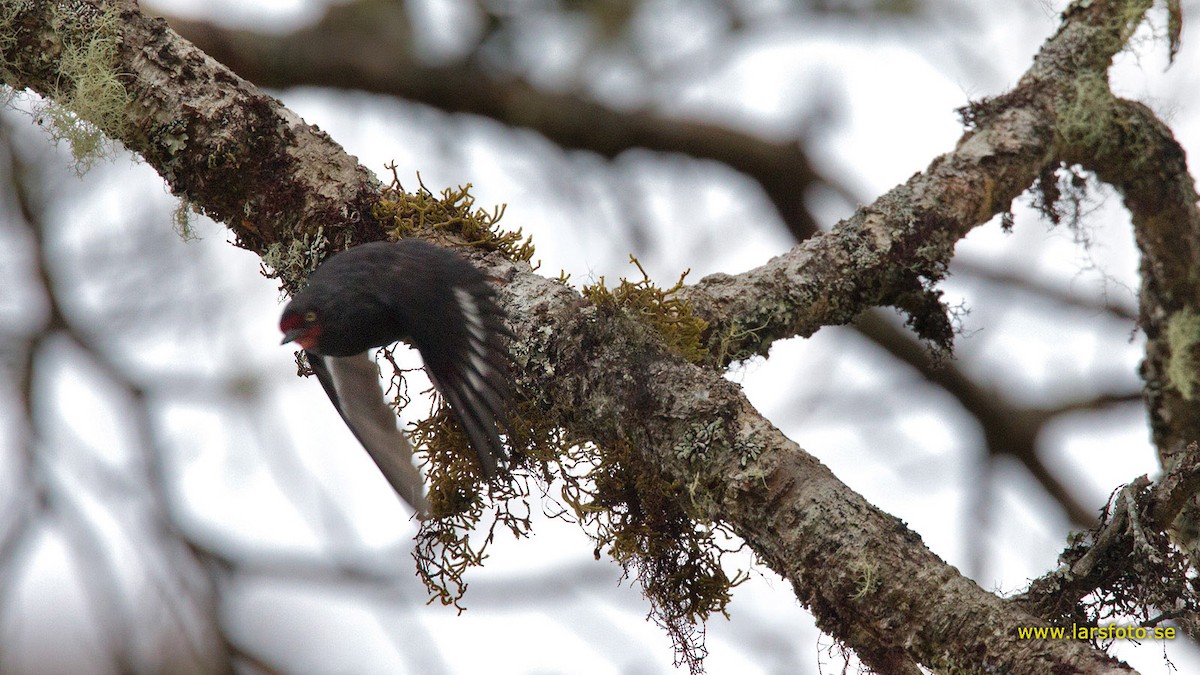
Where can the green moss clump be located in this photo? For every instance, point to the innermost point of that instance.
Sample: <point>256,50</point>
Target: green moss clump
<point>661,309</point>
<point>449,543</point>
<point>452,215</point>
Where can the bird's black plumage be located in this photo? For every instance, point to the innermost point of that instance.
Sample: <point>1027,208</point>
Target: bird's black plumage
<point>376,294</point>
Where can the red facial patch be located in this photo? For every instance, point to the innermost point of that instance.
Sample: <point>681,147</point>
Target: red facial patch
<point>290,322</point>
<point>308,340</point>
<point>307,335</point>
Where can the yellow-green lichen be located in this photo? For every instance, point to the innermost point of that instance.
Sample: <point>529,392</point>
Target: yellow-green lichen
<point>738,343</point>
<point>89,100</point>
<point>1085,118</point>
<point>292,262</point>
<point>8,36</point>
<point>635,513</point>
<point>661,309</point>
<point>1132,13</point>
<point>451,542</point>
<point>868,579</point>
<point>182,219</point>
<point>1183,339</point>
<point>464,522</point>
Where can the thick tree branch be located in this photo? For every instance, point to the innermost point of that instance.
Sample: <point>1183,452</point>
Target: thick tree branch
<point>219,142</point>
<point>1142,159</point>
<point>1134,151</point>
<point>867,578</point>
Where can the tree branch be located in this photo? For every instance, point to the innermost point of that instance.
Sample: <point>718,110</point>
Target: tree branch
<point>869,580</point>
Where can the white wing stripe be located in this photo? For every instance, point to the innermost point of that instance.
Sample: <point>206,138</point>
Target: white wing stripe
<point>470,310</point>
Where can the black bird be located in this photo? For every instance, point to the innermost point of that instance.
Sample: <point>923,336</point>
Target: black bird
<point>379,293</point>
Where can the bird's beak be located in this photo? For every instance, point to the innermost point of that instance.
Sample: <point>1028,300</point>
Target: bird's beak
<point>293,335</point>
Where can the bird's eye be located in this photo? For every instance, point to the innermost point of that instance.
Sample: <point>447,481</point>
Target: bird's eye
<point>310,317</point>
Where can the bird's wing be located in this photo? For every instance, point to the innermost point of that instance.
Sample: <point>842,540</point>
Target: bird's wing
<point>352,383</point>
<point>465,359</point>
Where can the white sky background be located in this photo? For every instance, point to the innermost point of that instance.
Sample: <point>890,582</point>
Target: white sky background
<point>894,93</point>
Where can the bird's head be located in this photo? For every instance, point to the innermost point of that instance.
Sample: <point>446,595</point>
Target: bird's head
<point>301,325</point>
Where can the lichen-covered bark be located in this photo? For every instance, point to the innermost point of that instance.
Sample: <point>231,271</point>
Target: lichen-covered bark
<point>243,158</point>
<point>903,240</point>
<point>870,580</point>
<point>1144,162</point>
<point>1136,153</point>
<point>886,252</point>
